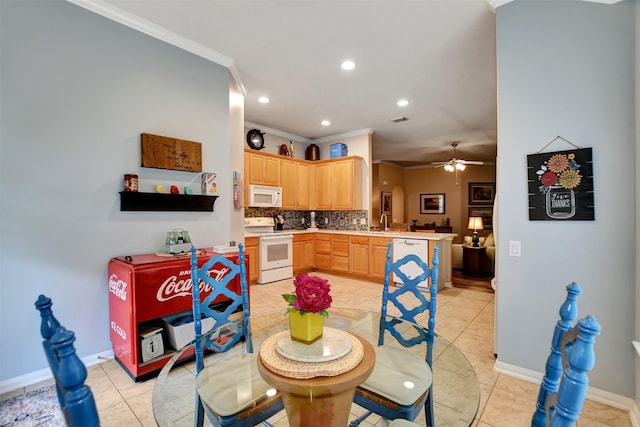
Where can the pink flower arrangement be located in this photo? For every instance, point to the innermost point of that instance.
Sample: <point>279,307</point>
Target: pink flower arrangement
<point>312,295</point>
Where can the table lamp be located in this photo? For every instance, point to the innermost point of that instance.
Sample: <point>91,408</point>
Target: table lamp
<point>475,224</point>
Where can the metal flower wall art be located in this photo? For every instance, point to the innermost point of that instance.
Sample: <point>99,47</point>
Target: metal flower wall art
<point>561,185</point>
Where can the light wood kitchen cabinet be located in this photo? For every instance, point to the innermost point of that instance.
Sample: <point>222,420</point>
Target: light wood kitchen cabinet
<point>323,251</point>
<point>303,186</point>
<point>252,249</point>
<point>359,255</point>
<point>303,252</point>
<point>324,187</point>
<point>339,184</point>
<point>340,252</point>
<point>295,183</point>
<point>288,184</point>
<point>262,169</point>
<point>378,256</point>
<point>348,184</point>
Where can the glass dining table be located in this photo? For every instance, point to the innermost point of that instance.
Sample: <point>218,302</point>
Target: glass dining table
<point>456,391</point>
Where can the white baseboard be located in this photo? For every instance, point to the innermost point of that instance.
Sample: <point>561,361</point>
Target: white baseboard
<point>597,395</point>
<point>35,377</point>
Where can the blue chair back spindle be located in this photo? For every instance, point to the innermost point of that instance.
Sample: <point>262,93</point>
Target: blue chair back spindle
<point>410,286</point>
<point>366,396</point>
<point>219,286</point>
<point>228,271</point>
<point>75,398</point>
<point>565,383</point>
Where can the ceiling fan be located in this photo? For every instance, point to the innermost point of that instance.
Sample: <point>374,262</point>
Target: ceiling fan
<point>456,164</point>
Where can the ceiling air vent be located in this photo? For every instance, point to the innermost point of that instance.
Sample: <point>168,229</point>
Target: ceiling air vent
<point>399,119</point>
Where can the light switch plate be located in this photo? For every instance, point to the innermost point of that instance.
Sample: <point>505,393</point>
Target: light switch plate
<point>514,248</point>
<point>363,221</point>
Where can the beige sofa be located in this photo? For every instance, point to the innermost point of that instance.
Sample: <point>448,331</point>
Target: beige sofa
<point>456,251</point>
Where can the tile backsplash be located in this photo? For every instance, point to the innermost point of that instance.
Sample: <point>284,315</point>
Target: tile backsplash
<point>331,220</point>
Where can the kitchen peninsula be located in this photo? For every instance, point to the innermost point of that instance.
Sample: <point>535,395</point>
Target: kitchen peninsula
<point>354,253</point>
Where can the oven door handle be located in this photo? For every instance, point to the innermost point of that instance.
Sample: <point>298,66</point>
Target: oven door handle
<point>278,237</point>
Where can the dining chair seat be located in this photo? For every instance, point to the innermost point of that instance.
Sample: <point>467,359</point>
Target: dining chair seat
<point>218,385</point>
<point>394,369</point>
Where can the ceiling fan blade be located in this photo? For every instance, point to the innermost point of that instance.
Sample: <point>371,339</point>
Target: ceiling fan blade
<point>472,162</point>
<point>440,163</point>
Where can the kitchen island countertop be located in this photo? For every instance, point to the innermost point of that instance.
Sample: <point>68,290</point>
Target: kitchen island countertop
<point>392,234</point>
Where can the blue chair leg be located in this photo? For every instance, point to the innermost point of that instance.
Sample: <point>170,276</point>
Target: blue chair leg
<point>361,418</point>
<point>428,410</point>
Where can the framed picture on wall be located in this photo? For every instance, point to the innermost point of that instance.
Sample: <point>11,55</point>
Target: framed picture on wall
<point>432,203</point>
<point>482,193</point>
<point>385,202</point>
<point>485,212</point>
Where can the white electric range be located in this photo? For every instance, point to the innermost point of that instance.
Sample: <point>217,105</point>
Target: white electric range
<point>276,249</point>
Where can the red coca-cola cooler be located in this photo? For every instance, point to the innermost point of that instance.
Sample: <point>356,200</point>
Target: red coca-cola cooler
<point>144,291</point>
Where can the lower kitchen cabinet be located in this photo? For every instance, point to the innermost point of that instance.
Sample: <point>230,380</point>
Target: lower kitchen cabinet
<point>303,252</point>
<point>323,251</point>
<point>340,252</point>
<point>359,255</point>
<point>378,256</point>
<point>252,249</point>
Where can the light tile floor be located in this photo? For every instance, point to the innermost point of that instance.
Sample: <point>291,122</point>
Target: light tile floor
<point>464,317</point>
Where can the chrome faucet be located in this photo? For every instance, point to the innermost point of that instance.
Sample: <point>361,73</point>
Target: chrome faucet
<point>384,217</point>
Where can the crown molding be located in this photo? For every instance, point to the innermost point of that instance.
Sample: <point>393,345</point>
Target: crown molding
<point>130,20</point>
<point>494,4</point>
<point>365,131</point>
<point>298,138</point>
<point>276,132</point>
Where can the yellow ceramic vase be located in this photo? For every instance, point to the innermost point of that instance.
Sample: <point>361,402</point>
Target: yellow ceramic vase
<point>305,328</point>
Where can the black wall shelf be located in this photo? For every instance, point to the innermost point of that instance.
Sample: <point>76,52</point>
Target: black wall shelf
<point>135,201</point>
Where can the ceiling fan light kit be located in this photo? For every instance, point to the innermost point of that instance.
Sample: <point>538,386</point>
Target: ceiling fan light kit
<point>456,164</point>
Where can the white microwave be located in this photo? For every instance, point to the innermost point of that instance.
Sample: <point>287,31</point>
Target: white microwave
<point>263,196</point>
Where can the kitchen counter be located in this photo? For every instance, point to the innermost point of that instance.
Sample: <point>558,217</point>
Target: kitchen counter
<point>440,240</point>
<point>392,234</point>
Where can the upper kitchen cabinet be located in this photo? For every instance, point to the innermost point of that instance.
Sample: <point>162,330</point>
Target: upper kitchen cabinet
<point>339,184</point>
<point>263,169</point>
<point>296,184</point>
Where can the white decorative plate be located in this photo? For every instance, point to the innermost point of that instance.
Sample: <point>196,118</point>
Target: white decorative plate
<point>333,345</point>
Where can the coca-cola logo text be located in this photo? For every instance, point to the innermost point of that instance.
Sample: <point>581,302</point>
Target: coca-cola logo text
<point>118,287</point>
<point>118,330</point>
<point>173,288</point>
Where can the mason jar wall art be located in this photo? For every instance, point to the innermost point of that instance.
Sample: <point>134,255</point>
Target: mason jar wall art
<point>560,185</point>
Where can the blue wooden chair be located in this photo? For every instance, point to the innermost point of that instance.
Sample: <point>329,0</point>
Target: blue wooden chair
<point>565,383</point>
<point>383,392</point>
<point>75,398</point>
<point>227,409</point>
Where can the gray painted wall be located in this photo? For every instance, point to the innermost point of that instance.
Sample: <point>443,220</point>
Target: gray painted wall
<point>567,68</point>
<point>77,91</point>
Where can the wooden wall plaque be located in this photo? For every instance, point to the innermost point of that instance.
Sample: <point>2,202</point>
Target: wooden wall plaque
<point>163,152</point>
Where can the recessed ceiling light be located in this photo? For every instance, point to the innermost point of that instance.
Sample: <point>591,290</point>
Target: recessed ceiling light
<point>403,103</point>
<point>264,100</point>
<point>325,123</point>
<point>348,65</point>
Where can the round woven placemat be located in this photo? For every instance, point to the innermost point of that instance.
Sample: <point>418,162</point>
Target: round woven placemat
<point>303,370</point>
